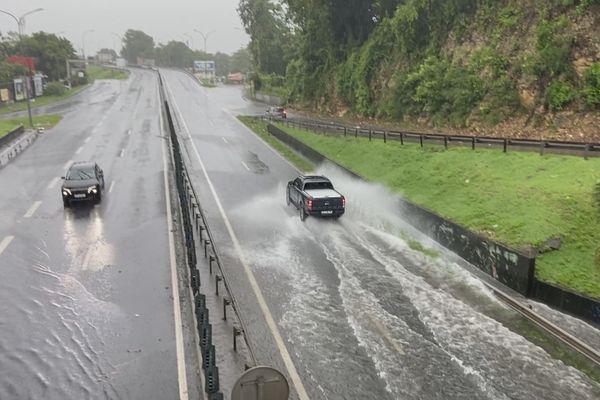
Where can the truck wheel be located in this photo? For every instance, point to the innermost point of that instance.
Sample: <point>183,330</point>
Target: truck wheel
<point>99,197</point>
<point>302,213</point>
<point>66,203</point>
<point>287,196</point>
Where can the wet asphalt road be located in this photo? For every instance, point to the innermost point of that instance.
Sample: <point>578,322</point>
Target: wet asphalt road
<point>360,314</point>
<point>86,309</point>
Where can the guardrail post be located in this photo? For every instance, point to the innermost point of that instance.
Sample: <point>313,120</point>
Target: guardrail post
<point>356,132</point>
<point>226,302</point>
<point>384,137</point>
<point>586,152</point>
<point>402,138</point>
<point>505,144</point>
<point>236,332</point>
<point>210,261</point>
<point>421,140</point>
<point>542,147</point>
<point>345,131</point>
<point>206,243</point>
<point>446,142</point>
<point>200,229</point>
<point>370,134</point>
<point>218,278</point>
<point>473,143</point>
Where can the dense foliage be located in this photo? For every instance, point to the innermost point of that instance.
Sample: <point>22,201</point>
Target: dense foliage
<point>449,61</point>
<point>48,50</point>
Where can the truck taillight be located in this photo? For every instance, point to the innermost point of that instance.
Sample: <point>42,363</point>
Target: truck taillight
<point>343,201</point>
<point>309,203</point>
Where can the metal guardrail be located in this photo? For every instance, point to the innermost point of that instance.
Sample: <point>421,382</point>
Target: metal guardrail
<point>565,337</point>
<point>197,230</point>
<point>570,147</point>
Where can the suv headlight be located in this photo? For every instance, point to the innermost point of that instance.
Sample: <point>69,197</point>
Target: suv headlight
<point>92,189</point>
<point>66,192</point>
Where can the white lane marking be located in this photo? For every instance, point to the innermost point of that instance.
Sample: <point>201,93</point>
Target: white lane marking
<point>245,166</point>
<point>5,242</point>
<point>111,187</point>
<point>181,371</point>
<point>53,183</point>
<point>79,150</point>
<point>122,153</point>
<point>225,140</point>
<point>87,139</point>
<point>261,139</point>
<point>86,259</point>
<point>32,209</point>
<point>68,164</point>
<point>285,355</point>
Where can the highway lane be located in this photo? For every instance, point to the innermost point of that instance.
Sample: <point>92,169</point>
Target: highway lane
<point>360,313</point>
<point>86,307</point>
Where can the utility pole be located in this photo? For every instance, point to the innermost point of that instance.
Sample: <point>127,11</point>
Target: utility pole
<point>21,27</point>
<point>204,36</point>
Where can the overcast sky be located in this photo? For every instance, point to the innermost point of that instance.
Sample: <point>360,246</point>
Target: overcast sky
<point>164,20</point>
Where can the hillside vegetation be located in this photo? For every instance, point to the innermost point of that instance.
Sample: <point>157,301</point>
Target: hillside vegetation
<point>515,68</point>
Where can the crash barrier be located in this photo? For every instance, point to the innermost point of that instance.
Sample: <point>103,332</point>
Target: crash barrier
<point>197,231</point>
<point>12,135</point>
<point>510,267</point>
<point>17,146</point>
<point>542,146</point>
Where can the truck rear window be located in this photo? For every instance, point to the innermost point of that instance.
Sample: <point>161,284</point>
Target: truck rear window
<point>317,185</point>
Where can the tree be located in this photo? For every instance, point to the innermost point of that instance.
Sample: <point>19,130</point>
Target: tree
<point>265,22</point>
<point>10,71</point>
<point>137,44</point>
<point>49,51</point>
<point>241,61</point>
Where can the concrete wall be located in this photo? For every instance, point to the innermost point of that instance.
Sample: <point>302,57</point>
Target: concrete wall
<point>268,99</point>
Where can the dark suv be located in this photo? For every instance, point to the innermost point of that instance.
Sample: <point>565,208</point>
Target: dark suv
<point>84,182</point>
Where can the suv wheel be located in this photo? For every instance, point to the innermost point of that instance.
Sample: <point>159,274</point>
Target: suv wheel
<point>302,213</point>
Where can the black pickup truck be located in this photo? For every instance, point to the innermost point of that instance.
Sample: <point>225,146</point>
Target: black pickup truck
<point>315,195</point>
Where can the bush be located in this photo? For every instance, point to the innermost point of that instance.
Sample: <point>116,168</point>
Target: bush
<point>55,89</point>
<point>558,95</point>
<point>591,82</point>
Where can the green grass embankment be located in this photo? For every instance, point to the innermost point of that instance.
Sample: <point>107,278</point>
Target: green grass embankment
<point>41,101</point>
<point>45,121</point>
<point>99,72</point>
<point>520,199</point>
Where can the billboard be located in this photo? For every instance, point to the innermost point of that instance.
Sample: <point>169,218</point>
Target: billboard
<point>19,89</point>
<point>204,66</point>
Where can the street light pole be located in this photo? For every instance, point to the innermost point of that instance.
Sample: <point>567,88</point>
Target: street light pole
<point>22,19</point>
<point>20,27</point>
<point>83,45</point>
<point>204,36</point>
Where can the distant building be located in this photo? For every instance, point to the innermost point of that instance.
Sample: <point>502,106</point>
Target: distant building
<point>105,57</point>
<point>145,62</point>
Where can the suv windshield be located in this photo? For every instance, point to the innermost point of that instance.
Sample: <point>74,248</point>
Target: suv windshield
<point>76,174</point>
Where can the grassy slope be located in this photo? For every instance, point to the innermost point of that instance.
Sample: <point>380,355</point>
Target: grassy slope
<point>46,121</point>
<point>520,199</point>
<point>98,72</point>
<point>40,101</point>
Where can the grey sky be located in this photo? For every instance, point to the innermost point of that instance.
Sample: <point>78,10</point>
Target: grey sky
<point>164,20</point>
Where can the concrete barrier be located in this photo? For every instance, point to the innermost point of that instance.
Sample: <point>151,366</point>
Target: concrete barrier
<point>12,136</point>
<point>20,141</point>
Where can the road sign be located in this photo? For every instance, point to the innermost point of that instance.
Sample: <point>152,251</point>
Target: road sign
<point>261,383</point>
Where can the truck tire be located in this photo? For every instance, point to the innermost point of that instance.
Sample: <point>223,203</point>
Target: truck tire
<point>287,196</point>
<point>302,213</point>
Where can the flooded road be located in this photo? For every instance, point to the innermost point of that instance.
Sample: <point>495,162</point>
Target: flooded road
<point>367,308</point>
<point>86,305</point>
